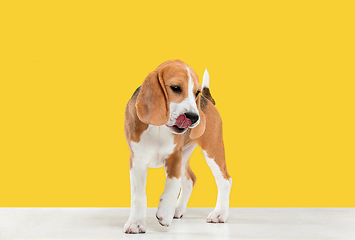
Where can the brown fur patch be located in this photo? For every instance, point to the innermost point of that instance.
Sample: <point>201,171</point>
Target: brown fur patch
<point>212,139</point>
<point>173,161</point>
<point>173,165</point>
<point>152,101</point>
<point>190,175</point>
<point>187,137</point>
<point>134,127</point>
<point>130,162</point>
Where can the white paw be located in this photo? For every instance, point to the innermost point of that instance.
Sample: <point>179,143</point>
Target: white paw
<point>165,213</point>
<point>135,226</point>
<point>179,212</point>
<point>217,216</point>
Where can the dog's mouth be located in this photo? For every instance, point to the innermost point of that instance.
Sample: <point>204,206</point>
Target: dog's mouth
<point>176,129</point>
<point>181,125</point>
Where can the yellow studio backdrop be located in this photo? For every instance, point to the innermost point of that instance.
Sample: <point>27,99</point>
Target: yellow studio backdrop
<point>282,74</point>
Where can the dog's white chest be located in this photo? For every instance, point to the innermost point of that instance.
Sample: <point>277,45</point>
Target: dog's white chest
<point>155,145</point>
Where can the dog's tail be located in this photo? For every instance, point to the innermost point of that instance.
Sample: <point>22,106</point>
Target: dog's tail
<point>206,87</point>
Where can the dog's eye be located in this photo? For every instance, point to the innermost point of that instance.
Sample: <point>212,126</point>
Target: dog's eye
<point>197,93</point>
<point>176,89</point>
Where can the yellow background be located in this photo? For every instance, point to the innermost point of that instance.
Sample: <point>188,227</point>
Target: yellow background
<point>282,74</point>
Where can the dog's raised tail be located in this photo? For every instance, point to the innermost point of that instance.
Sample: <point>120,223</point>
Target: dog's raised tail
<point>206,87</point>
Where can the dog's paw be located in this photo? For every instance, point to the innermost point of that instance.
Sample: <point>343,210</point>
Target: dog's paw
<point>165,214</point>
<point>179,212</point>
<point>135,226</point>
<point>217,216</point>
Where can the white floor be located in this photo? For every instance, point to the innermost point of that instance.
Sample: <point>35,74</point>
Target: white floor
<point>243,223</point>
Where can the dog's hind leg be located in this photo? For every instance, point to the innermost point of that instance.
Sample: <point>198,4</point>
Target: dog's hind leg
<point>212,146</point>
<point>224,184</point>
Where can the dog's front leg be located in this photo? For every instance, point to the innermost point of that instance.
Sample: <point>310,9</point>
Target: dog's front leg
<point>137,220</point>
<point>167,205</point>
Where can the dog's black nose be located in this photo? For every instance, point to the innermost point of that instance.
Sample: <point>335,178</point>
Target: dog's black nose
<point>193,117</point>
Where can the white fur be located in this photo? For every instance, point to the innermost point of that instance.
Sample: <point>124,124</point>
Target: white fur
<point>190,103</point>
<point>206,79</point>
<point>137,219</point>
<point>166,209</point>
<point>220,213</point>
<point>155,144</point>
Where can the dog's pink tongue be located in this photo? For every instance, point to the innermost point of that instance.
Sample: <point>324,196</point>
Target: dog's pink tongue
<point>182,121</point>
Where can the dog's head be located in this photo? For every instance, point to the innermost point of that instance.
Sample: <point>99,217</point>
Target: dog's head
<point>171,95</point>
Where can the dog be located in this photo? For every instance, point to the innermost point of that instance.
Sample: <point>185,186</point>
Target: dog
<point>165,119</point>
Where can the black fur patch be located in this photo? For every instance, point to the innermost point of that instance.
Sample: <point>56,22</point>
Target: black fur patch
<point>207,94</point>
<point>203,103</point>
<point>135,94</point>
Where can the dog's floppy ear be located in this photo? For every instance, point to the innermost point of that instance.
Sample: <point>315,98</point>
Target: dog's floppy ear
<point>197,131</point>
<point>152,101</point>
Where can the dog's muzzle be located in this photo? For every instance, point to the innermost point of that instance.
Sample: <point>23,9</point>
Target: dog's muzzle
<point>183,122</point>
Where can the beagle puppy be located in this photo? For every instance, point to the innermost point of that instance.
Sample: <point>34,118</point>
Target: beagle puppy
<point>166,118</point>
